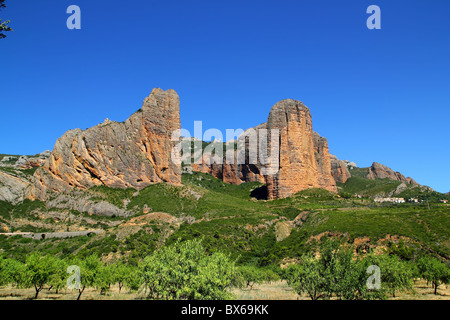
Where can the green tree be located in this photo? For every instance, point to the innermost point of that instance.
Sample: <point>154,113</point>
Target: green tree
<point>335,273</point>
<point>90,268</point>
<point>362,292</point>
<point>269,274</point>
<point>3,25</point>
<point>337,269</point>
<point>185,271</point>
<point>120,273</point>
<point>402,250</point>
<point>3,274</point>
<point>38,272</point>
<point>132,279</point>
<point>12,272</point>
<point>58,279</point>
<point>105,278</point>
<point>251,275</point>
<point>396,275</point>
<point>307,277</point>
<point>434,271</point>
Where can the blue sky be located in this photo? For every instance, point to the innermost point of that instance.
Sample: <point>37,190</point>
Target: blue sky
<point>376,95</point>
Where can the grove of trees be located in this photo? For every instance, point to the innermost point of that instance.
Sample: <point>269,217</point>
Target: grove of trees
<point>338,272</point>
<point>186,271</point>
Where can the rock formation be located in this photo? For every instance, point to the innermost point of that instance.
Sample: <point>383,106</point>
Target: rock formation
<point>134,153</point>
<point>341,173</point>
<point>298,167</point>
<point>14,178</point>
<point>84,203</point>
<point>339,169</point>
<point>303,155</point>
<point>379,171</point>
<point>323,160</point>
<point>231,171</point>
<point>27,162</point>
<point>138,152</point>
<point>12,187</point>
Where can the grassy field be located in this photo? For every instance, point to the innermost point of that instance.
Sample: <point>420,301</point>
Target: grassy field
<point>366,187</point>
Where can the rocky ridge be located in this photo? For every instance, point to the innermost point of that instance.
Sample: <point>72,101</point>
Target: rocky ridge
<point>341,171</point>
<point>138,152</point>
<point>379,171</point>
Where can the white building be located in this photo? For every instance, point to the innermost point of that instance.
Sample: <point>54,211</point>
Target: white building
<point>393,200</point>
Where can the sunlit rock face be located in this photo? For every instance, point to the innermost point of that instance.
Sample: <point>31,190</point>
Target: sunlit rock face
<point>134,153</point>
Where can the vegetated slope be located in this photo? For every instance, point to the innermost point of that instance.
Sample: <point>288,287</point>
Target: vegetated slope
<point>359,172</point>
<point>230,220</point>
<point>362,186</point>
<point>369,188</point>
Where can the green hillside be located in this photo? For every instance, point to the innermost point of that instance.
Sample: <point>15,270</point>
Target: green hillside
<point>369,188</point>
<point>230,220</point>
<point>358,172</point>
<point>385,187</point>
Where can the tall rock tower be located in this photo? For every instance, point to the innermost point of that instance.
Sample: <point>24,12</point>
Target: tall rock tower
<point>302,162</point>
<point>134,153</point>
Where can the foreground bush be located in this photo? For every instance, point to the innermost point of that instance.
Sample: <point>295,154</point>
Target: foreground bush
<point>184,270</point>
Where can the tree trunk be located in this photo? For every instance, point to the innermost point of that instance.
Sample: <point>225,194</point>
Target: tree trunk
<point>37,291</point>
<point>80,292</point>
<point>435,287</point>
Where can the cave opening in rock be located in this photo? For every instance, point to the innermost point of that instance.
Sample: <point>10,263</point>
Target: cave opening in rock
<point>259,193</point>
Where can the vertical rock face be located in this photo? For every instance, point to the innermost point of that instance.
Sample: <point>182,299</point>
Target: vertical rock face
<point>134,154</point>
<point>322,154</point>
<point>339,169</point>
<point>298,168</point>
